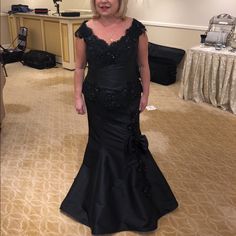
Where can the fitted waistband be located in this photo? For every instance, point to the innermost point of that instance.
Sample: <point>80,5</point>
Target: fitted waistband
<point>113,76</point>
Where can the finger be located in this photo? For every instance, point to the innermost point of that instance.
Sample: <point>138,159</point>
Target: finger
<point>143,107</point>
<point>140,106</point>
<point>84,108</point>
<point>79,111</point>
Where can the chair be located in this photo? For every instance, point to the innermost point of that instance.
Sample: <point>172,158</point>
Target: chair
<point>10,55</point>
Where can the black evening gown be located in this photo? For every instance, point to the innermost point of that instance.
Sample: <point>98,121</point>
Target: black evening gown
<point>119,187</point>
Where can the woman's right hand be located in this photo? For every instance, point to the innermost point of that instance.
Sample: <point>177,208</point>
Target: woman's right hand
<point>80,105</point>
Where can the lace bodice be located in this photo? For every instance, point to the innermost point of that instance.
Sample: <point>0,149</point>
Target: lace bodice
<point>113,75</point>
<point>99,53</point>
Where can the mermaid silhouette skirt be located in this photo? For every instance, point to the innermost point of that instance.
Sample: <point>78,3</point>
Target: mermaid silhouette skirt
<point>119,186</point>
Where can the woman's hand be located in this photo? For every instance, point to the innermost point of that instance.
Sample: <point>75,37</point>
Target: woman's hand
<point>80,105</point>
<point>143,103</point>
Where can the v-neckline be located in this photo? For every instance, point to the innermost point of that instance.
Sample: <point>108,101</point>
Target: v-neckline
<point>113,42</point>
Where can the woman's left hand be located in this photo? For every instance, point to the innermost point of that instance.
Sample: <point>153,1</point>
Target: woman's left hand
<point>143,103</point>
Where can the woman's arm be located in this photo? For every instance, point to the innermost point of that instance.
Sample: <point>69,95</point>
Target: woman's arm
<point>80,64</point>
<point>144,69</point>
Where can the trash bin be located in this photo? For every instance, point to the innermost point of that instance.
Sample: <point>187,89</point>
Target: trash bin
<point>163,62</point>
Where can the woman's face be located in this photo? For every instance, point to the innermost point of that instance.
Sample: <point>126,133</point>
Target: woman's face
<point>107,7</point>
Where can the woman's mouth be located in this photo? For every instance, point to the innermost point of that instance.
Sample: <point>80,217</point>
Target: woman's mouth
<point>104,8</point>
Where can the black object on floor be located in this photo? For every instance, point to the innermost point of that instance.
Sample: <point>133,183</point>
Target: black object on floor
<point>163,62</point>
<point>11,55</point>
<point>39,59</point>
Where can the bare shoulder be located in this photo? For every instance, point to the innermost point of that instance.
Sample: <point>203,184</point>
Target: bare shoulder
<point>128,21</point>
<point>90,23</point>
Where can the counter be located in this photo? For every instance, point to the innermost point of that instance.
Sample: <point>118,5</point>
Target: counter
<point>51,33</point>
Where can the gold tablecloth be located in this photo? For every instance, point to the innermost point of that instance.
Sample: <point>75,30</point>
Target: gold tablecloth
<point>210,76</point>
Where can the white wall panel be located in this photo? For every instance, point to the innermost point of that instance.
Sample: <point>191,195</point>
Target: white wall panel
<point>186,12</point>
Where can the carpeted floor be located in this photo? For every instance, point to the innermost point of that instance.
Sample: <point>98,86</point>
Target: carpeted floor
<point>42,145</point>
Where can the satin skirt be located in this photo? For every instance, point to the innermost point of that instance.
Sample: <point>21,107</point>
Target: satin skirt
<point>119,187</point>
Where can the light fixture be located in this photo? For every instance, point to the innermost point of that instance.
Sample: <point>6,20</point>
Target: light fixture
<point>57,6</point>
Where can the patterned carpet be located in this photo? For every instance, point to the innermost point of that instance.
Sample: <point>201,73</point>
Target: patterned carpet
<point>42,145</point>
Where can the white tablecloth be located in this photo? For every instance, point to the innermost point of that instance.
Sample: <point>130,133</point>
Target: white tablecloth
<point>210,76</point>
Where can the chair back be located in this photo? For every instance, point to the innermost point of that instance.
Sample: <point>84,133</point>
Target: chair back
<point>22,38</point>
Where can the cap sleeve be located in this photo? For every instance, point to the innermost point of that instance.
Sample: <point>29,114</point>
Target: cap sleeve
<point>81,32</point>
<point>139,28</point>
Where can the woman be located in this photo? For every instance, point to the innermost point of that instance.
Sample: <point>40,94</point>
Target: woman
<point>119,186</point>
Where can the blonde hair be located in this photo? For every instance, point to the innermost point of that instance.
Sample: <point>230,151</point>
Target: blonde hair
<point>121,11</point>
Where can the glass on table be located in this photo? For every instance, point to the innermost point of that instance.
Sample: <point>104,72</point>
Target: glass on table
<point>203,39</point>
